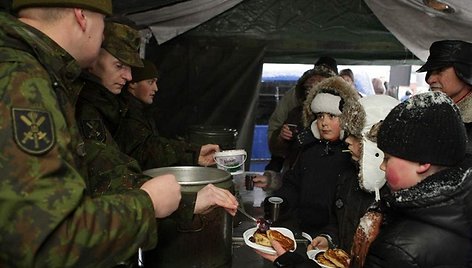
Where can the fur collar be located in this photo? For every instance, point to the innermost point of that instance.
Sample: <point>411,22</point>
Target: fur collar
<point>465,106</point>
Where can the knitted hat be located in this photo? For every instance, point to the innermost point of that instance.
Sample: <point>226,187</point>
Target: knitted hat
<point>101,6</point>
<point>446,53</point>
<point>426,128</point>
<point>122,41</point>
<point>149,71</point>
<point>331,95</point>
<point>361,121</point>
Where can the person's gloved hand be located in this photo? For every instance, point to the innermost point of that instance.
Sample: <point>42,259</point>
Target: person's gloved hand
<point>165,195</point>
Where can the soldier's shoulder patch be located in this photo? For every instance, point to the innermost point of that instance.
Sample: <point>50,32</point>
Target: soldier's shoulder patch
<point>93,129</point>
<point>33,130</point>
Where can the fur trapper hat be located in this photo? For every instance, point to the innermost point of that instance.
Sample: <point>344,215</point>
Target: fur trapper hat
<point>331,95</point>
<point>362,121</point>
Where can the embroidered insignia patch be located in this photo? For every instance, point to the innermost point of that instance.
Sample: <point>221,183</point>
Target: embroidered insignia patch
<point>33,130</point>
<point>94,129</point>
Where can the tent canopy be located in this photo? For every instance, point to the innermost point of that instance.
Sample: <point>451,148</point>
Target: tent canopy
<point>291,31</point>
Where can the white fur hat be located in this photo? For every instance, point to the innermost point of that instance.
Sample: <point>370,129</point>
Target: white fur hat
<point>359,123</point>
<point>332,95</point>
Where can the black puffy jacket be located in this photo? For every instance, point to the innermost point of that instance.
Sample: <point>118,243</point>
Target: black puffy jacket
<point>428,225</point>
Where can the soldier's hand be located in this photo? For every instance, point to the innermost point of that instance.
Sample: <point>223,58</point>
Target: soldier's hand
<point>210,197</point>
<point>207,152</point>
<point>165,194</point>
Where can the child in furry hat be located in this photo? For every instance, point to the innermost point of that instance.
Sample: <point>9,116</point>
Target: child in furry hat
<point>308,189</point>
<point>357,189</point>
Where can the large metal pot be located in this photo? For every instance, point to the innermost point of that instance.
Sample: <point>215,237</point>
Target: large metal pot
<point>204,242</point>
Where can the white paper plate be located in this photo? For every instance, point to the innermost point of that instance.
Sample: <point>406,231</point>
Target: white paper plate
<point>269,250</point>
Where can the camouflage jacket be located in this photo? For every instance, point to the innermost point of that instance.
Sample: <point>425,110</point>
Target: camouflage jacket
<point>145,144</point>
<point>99,112</point>
<point>109,170</point>
<point>46,217</point>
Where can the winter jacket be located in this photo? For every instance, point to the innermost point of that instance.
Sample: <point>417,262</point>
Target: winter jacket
<point>309,188</point>
<point>288,150</point>
<point>429,224</point>
<point>145,144</point>
<point>351,203</point>
<point>278,117</point>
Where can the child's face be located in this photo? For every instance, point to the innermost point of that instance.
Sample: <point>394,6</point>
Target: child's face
<point>400,173</point>
<point>354,145</point>
<point>328,126</point>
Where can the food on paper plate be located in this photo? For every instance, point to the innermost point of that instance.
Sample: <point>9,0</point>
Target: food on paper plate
<point>264,239</point>
<point>320,259</point>
<point>263,235</point>
<point>336,258</point>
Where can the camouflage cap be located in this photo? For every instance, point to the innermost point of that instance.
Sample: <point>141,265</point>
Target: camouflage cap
<point>122,41</point>
<point>101,6</point>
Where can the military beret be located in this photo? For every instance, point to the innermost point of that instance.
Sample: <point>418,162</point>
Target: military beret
<point>101,6</point>
<point>122,41</point>
<point>149,71</point>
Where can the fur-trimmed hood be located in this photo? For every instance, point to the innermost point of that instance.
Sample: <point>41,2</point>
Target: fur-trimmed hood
<point>348,94</point>
<point>362,121</point>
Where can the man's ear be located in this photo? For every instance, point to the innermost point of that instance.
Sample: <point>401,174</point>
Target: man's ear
<point>422,168</point>
<point>80,18</point>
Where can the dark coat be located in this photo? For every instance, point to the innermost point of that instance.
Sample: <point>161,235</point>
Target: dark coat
<point>429,224</point>
<point>309,188</point>
<point>350,205</point>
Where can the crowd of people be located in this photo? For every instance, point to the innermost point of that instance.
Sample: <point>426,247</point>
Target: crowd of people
<point>394,207</point>
<point>73,192</point>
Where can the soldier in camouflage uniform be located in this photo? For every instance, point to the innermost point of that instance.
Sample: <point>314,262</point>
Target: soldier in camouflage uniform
<point>98,111</point>
<point>145,144</point>
<point>47,219</point>
<point>99,114</point>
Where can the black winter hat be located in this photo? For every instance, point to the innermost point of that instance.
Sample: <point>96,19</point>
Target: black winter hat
<point>426,128</point>
<point>446,53</point>
<point>329,63</point>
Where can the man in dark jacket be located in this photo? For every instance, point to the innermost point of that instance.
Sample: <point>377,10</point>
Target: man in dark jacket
<point>449,69</point>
